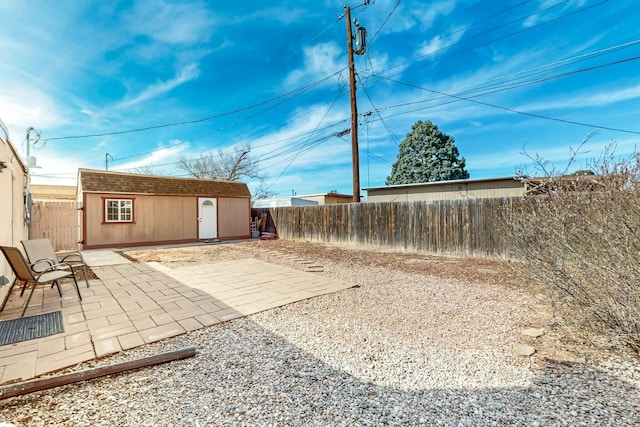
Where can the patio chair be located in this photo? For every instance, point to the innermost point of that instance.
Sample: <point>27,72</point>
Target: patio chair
<point>24,272</point>
<point>41,255</point>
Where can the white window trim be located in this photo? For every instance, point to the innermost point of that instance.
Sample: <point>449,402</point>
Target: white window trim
<point>128,202</point>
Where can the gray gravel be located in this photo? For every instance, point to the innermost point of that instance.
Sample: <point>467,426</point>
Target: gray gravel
<point>245,375</point>
<point>401,349</point>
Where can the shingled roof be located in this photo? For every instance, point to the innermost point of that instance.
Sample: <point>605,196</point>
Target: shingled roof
<point>97,181</point>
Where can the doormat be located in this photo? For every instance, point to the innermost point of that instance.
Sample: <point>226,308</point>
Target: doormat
<point>28,328</point>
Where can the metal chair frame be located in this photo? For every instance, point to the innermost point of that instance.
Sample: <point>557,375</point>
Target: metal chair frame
<point>24,272</point>
<point>41,254</point>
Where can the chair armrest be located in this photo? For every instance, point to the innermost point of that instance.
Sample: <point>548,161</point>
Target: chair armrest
<point>51,265</point>
<point>76,256</point>
<point>43,264</point>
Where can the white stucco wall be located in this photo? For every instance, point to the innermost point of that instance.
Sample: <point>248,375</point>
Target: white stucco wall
<point>12,226</point>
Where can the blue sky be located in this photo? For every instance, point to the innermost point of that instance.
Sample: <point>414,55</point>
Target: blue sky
<point>200,76</point>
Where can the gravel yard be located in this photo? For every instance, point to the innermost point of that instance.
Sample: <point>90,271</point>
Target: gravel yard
<point>418,340</point>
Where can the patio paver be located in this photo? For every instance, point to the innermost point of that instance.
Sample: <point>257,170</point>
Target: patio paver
<point>133,304</point>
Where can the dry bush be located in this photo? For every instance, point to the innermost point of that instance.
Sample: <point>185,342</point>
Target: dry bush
<point>581,236</point>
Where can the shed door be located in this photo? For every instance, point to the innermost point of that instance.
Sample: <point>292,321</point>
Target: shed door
<point>207,218</point>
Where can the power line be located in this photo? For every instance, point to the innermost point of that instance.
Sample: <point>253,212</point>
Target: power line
<point>300,152</point>
<point>385,21</point>
<point>420,57</point>
<point>506,86</point>
<point>540,116</point>
<point>204,119</point>
<point>509,84</point>
<point>458,97</point>
<point>207,133</point>
<point>364,88</point>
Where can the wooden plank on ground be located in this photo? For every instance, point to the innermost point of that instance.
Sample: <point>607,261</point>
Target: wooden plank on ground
<point>27,387</point>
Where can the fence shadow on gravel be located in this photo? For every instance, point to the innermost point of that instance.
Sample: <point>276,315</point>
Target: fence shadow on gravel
<point>246,375</point>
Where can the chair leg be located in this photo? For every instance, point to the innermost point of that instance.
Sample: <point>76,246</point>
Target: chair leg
<point>24,286</point>
<point>57,283</point>
<point>33,288</point>
<point>86,277</point>
<point>75,282</point>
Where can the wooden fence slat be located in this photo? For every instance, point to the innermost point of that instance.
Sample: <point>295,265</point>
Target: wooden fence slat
<point>56,220</point>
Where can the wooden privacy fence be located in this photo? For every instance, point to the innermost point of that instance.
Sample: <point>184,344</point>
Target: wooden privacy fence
<point>452,227</point>
<point>56,220</point>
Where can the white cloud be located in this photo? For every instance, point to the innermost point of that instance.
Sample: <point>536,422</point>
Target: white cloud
<point>186,74</point>
<point>159,156</point>
<point>177,23</point>
<point>550,9</point>
<point>405,19</point>
<point>599,99</point>
<point>426,15</point>
<point>23,106</point>
<point>439,43</point>
<point>319,61</point>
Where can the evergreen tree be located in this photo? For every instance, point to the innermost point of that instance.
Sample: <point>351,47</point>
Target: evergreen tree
<point>427,155</point>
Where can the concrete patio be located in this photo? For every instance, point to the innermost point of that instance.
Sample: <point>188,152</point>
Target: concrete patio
<point>133,304</point>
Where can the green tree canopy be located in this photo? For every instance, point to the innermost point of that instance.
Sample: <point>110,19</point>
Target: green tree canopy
<point>427,155</point>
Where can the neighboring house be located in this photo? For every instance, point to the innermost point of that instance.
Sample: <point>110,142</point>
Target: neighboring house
<point>13,181</point>
<point>448,190</point>
<point>328,198</point>
<point>279,202</point>
<point>123,209</point>
<point>53,192</point>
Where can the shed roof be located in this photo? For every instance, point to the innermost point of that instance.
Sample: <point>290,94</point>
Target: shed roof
<point>96,181</point>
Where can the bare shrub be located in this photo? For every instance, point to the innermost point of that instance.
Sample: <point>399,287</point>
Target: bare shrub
<point>580,235</point>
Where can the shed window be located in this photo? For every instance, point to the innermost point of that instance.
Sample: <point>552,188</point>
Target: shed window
<point>118,210</point>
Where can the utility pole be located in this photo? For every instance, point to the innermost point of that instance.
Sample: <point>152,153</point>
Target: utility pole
<point>355,157</point>
<point>106,161</point>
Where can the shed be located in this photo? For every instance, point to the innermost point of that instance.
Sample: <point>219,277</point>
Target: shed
<point>123,209</point>
<point>449,190</point>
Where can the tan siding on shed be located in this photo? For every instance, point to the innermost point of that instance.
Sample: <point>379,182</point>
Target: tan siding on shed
<point>237,222</point>
<point>156,219</point>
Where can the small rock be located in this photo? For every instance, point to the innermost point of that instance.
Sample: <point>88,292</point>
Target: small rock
<point>533,332</point>
<point>523,350</point>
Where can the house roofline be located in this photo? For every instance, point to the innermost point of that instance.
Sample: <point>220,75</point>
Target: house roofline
<point>7,140</point>
<point>323,194</point>
<point>453,181</point>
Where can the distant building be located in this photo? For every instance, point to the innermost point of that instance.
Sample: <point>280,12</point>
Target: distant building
<point>279,202</point>
<point>448,190</point>
<point>328,198</point>
<point>53,192</point>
